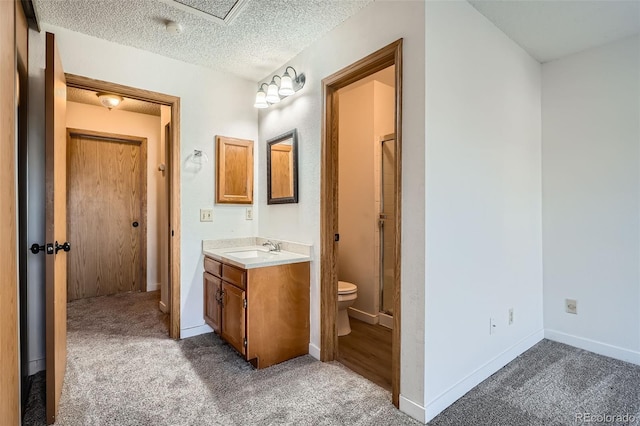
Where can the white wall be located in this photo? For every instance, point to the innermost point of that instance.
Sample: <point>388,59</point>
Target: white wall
<point>211,103</point>
<point>483,201</point>
<point>377,25</point>
<point>591,196</point>
<point>100,119</point>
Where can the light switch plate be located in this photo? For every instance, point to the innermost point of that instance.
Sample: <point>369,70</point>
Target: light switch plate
<point>206,215</point>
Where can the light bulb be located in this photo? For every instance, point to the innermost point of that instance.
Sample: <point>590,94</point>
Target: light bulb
<point>109,101</point>
<point>286,85</point>
<point>261,100</point>
<point>272,93</point>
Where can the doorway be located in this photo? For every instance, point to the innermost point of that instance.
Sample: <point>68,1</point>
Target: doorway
<point>386,57</point>
<point>171,169</point>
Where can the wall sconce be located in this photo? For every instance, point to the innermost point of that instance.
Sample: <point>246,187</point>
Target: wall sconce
<point>108,100</point>
<point>287,87</point>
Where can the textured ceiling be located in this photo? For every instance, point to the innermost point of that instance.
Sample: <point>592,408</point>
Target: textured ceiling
<point>549,30</point>
<point>251,38</point>
<point>263,36</point>
<point>90,97</point>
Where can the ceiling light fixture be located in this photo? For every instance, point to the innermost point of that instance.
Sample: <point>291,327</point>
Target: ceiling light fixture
<point>108,100</point>
<point>274,94</point>
<point>173,28</point>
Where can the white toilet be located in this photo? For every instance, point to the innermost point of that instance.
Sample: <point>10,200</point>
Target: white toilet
<point>347,294</point>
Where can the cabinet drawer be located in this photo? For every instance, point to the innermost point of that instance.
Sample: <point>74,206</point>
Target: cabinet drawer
<point>213,267</point>
<point>235,276</point>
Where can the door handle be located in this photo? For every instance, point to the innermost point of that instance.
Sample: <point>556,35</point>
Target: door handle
<point>135,224</point>
<point>37,248</point>
<point>65,247</point>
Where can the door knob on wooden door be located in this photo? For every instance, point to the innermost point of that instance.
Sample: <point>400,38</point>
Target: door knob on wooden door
<point>65,247</point>
<point>135,224</point>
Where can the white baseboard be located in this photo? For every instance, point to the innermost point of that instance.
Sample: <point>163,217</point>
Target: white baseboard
<point>451,395</point>
<point>194,331</point>
<point>36,365</point>
<point>385,320</point>
<point>163,308</point>
<point>314,351</point>
<point>153,287</point>
<point>594,346</point>
<point>412,409</point>
<point>362,316</point>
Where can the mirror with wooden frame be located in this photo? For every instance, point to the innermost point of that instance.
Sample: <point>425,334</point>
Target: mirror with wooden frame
<point>282,168</point>
<point>234,164</point>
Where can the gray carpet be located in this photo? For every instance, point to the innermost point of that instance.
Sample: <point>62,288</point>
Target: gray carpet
<point>552,384</point>
<point>123,370</point>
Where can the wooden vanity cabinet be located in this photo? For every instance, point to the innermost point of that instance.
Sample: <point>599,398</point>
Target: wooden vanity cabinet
<point>263,312</point>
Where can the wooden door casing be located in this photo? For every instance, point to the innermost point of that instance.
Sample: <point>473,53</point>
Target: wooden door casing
<point>377,61</point>
<point>106,175</point>
<point>174,179</point>
<point>233,316</point>
<point>55,226</point>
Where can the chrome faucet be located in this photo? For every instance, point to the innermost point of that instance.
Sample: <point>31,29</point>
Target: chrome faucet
<point>272,246</point>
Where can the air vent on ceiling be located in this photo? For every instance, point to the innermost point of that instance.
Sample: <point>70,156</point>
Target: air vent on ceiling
<point>219,11</point>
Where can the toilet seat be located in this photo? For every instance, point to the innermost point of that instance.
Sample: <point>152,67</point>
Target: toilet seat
<point>345,287</point>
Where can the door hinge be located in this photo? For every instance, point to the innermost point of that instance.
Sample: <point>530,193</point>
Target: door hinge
<point>244,303</point>
<point>245,342</point>
<point>336,237</point>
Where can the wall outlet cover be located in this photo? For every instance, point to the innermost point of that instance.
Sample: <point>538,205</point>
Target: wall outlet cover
<point>249,213</point>
<point>571,306</point>
<point>492,326</point>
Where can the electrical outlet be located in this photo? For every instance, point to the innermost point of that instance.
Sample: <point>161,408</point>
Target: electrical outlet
<point>510,316</point>
<point>206,215</point>
<point>249,213</point>
<point>571,306</point>
<point>492,326</point>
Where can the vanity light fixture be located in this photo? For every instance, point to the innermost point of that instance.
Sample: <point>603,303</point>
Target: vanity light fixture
<point>287,87</point>
<point>108,100</point>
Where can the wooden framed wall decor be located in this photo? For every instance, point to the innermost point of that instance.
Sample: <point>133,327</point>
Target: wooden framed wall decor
<point>234,170</point>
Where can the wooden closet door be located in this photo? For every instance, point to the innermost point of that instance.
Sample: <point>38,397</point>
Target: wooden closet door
<point>105,218</point>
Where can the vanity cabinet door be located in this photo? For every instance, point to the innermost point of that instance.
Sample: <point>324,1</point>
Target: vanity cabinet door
<point>233,316</point>
<point>212,296</point>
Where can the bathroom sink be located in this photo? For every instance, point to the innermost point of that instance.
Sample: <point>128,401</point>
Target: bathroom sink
<point>250,254</point>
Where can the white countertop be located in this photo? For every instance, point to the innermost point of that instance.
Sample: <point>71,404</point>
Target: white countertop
<point>261,258</point>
